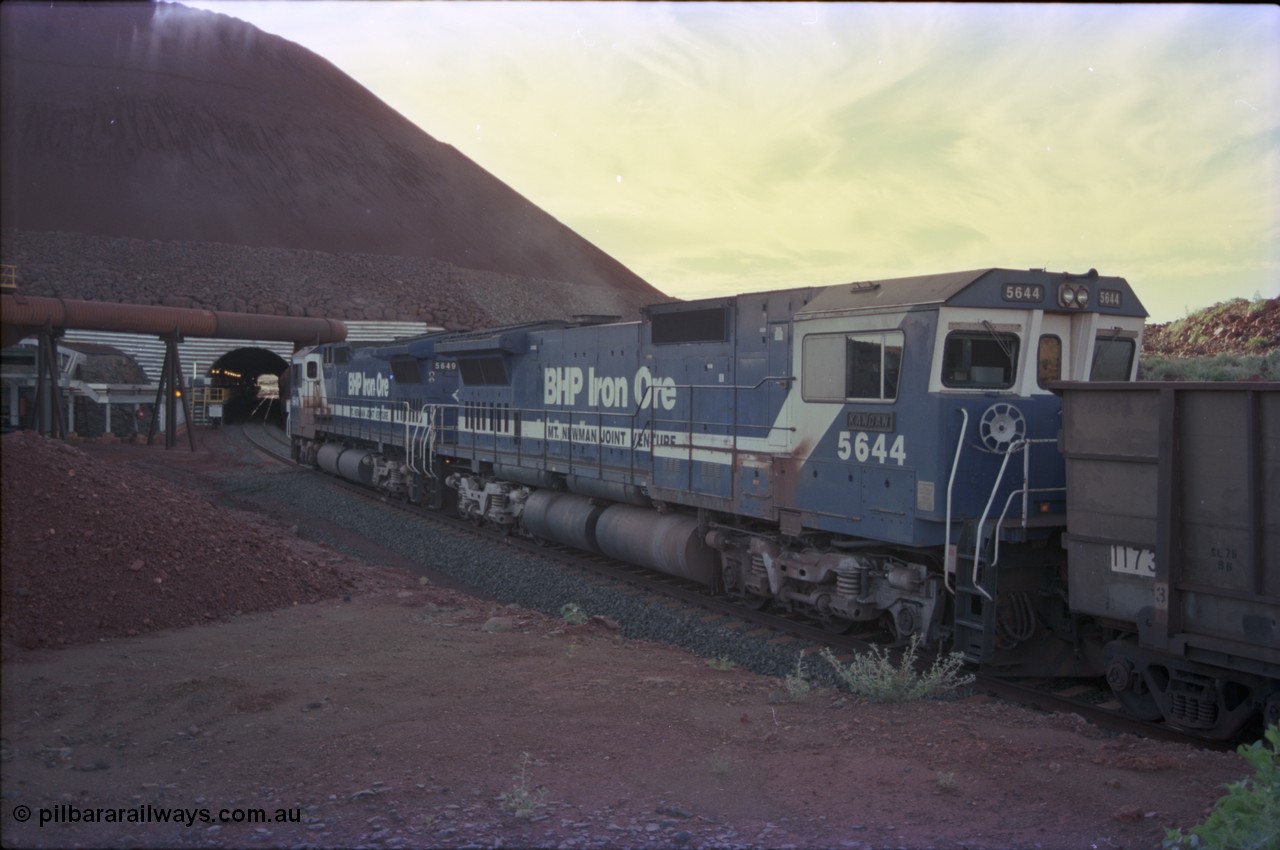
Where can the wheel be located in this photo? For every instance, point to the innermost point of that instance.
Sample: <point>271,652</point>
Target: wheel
<point>1271,711</point>
<point>1131,691</point>
<point>836,625</point>
<point>1142,706</point>
<point>751,601</point>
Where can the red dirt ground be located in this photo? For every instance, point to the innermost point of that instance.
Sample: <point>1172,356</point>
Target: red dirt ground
<point>164,651</point>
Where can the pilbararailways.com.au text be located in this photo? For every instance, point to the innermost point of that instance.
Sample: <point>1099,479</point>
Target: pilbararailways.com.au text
<point>67,813</point>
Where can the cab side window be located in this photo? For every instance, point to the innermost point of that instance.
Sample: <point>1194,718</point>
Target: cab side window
<point>852,367</point>
<point>979,360</point>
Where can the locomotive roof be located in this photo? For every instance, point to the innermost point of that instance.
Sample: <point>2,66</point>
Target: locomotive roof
<point>955,288</point>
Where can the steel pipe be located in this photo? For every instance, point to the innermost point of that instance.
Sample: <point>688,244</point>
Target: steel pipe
<point>33,311</point>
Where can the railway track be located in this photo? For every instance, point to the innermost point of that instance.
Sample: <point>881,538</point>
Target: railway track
<point>1090,699</point>
<point>268,439</point>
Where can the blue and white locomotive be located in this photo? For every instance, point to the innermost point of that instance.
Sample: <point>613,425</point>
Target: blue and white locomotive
<point>880,451</point>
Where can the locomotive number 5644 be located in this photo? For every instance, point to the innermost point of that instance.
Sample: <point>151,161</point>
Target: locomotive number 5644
<point>861,447</point>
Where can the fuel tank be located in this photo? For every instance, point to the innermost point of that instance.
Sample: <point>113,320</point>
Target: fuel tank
<point>562,517</point>
<point>352,464</point>
<point>668,543</point>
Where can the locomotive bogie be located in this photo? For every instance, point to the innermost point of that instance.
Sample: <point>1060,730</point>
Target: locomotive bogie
<point>833,584</point>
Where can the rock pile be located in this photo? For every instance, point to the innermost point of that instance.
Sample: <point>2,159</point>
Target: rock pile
<point>222,167</point>
<point>288,282</point>
<point>95,550</point>
<point>1237,326</point>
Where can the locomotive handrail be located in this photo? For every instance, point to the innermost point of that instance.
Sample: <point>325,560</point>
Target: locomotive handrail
<point>408,440</point>
<point>995,557</point>
<point>949,556</point>
<point>1024,492</point>
<point>420,436</point>
<point>1015,446</point>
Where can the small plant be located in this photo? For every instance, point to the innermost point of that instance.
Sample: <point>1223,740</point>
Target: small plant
<point>875,677</point>
<point>522,799</point>
<point>573,613</point>
<point>946,782</point>
<point>721,663</point>
<point>1248,817</point>
<point>797,683</point>
<point>720,765</point>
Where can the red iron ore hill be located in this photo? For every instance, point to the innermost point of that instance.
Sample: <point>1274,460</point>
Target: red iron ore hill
<point>1237,326</point>
<point>154,153</point>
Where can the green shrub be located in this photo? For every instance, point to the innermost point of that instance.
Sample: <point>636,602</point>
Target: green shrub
<point>1248,817</point>
<point>874,675</point>
<point>797,682</point>
<point>1218,367</point>
<point>522,799</point>
<point>573,614</point>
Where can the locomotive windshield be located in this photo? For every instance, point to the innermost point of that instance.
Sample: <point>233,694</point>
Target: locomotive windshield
<point>979,360</point>
<point>1112,359</point>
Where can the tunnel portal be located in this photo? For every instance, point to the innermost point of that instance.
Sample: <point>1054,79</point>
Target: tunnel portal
<point>249,378</point>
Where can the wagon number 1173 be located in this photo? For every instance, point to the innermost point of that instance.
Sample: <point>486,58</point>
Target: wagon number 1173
<point>861,446</point>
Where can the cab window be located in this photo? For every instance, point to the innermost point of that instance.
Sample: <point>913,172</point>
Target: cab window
<point>1112,359</point>
<point>1049,361</point>
<point>852,367</point>
<point>979,360</point>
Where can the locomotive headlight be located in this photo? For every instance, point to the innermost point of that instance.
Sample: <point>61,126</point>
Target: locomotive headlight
<point>1067,295</point>
<point>1082,297</point>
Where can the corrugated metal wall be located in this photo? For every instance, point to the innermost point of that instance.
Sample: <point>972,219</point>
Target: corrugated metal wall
<point>199,354</point>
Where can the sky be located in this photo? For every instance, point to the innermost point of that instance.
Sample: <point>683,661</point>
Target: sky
<point>719,148</point>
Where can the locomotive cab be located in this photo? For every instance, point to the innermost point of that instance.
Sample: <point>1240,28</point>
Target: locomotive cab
<point>1003,558</point>
<point>927,444</point>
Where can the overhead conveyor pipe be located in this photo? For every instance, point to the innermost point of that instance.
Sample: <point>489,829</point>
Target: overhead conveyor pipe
<point>25,314</point>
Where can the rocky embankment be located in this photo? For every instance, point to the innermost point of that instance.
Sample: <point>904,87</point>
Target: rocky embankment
<point>284,282</point>
<point>1238,326</point>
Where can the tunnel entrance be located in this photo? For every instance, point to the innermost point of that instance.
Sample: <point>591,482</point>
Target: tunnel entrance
<point>250,379</point>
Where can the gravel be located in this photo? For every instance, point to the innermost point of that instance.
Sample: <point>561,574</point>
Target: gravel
<point>496,571</point>
<point>292,282</point>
